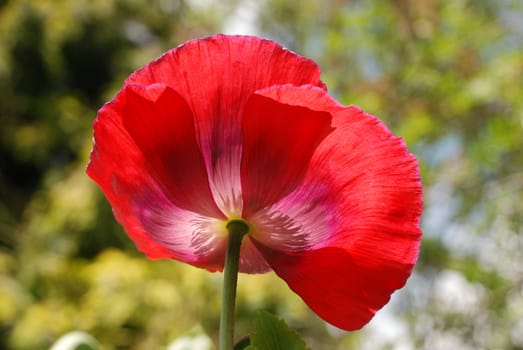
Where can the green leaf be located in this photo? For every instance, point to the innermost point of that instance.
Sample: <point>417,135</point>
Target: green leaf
<point>272,333</point>
<point>243,344</point>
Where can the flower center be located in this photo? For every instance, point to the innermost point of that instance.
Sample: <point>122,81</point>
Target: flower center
<point>238,225</point>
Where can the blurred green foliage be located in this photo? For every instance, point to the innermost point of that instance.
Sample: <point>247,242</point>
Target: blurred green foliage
<point>445,75</point>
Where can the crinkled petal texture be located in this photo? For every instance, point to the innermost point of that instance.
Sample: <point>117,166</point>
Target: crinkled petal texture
<point>168,148</point>
<point>348,235</point>
<point>232,127</point>
<point>216,76</point>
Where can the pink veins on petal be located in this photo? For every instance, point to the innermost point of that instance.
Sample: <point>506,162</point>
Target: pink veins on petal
<point>237,127</point>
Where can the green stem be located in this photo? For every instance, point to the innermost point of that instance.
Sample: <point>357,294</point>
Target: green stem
<point>237,229</point>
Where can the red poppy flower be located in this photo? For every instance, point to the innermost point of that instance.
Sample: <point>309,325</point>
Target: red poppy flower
<point>237,127</point>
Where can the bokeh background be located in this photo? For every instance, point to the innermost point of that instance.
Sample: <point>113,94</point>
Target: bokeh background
<point>445,75</point>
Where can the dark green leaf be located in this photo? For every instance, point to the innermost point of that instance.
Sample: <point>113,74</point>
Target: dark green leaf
<point>243,344</point>
<point>272,333</point>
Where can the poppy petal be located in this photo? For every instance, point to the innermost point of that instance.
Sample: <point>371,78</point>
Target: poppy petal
<point>375,183</point>
<point>144,207</point>
<point>216,91</point>
<point>115,156</point>
<point>279,138</point>
<point>335,287</point>
<point>364,247</point>
<point>185,235</point>
<point>303,220</point>
<point>162,125</point>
